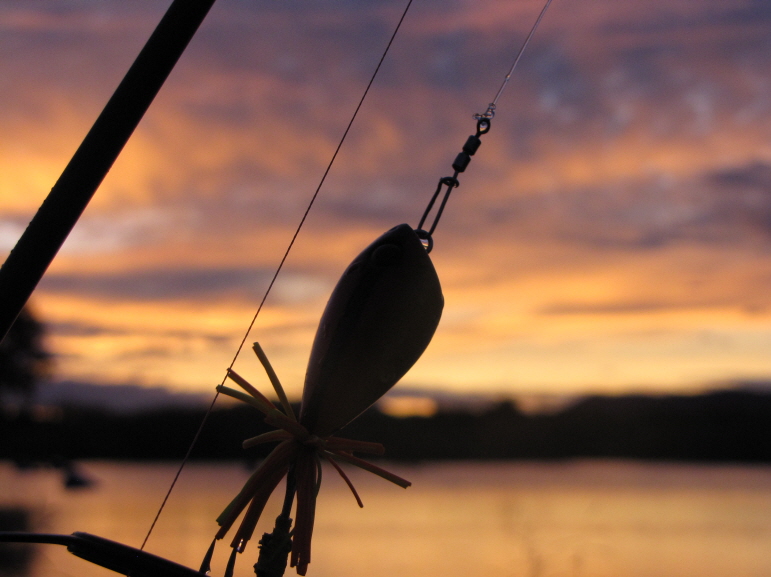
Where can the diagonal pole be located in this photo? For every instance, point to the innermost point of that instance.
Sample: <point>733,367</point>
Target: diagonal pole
<point>69,197</point>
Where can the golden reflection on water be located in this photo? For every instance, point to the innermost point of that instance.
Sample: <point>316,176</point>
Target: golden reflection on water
<point>587,519</point>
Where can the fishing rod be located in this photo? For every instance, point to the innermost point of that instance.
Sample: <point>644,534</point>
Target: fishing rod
<point>106,553</point>
<point>44,236</point>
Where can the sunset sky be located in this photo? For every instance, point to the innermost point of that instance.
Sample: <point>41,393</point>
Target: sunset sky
<point>612,234</point>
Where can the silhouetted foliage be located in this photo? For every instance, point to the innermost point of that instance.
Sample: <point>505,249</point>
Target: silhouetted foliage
<point>23,357</point>
<point>719,426</point>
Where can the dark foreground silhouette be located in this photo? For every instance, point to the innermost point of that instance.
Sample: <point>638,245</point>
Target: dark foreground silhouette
<point>731,426</point>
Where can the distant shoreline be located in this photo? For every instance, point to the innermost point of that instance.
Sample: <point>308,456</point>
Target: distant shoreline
<point>722,426</point>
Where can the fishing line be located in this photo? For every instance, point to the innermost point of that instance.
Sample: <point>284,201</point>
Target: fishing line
<point>278,270</point>
<point>484,121</point>
<point>490,112</point>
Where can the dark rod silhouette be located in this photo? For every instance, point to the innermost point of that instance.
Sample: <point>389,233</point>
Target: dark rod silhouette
<point>109,554</point>
<point>69,197</point>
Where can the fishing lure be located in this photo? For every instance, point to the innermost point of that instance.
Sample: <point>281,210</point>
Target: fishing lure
<point>380,318</point>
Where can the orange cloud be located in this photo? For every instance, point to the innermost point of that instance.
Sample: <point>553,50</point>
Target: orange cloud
<point>610,233</point>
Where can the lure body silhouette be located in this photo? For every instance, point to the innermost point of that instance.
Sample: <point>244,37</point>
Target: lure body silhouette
<point>377,323</point>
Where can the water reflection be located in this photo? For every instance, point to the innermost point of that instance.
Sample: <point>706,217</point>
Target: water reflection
<point>570,519</point>
<point>15,558</point>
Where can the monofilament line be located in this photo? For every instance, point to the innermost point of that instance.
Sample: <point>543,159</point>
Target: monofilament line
<point>278,270</point>
<point>521,51</point>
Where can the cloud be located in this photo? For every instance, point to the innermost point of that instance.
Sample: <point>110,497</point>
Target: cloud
<point>623,189</point>
<point>742,196</point>
<point>182,284</point>
<point>157,284</point>
<point>610,308</point>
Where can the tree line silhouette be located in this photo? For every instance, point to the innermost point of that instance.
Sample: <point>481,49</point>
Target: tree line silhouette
<point>727,426</point>
<point>733,425</point>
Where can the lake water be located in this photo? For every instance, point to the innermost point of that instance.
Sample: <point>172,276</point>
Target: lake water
<point>588,519</point>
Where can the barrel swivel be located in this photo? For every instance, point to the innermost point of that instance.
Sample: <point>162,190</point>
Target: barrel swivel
<point>459,165</point>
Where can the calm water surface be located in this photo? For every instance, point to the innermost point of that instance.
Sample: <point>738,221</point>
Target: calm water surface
<point>593,519</point>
